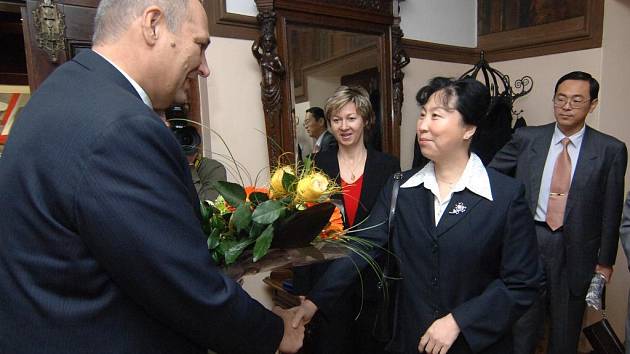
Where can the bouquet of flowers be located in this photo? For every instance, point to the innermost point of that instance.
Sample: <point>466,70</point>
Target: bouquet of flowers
<point>291,222</point>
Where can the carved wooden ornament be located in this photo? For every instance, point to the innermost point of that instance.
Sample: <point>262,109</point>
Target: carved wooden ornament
<point>50,28</point>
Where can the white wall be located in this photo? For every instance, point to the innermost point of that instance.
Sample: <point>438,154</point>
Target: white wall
<point>614,120</point>
<point>452,22</point>
<point>242,7</point>
<point>545,71</point>
<point>234,109</point>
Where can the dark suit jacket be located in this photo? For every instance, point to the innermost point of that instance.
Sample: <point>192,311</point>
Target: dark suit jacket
<point>481,265</point>
<point>102,249</point>
<point>593,211</point>
<point>328,142</point>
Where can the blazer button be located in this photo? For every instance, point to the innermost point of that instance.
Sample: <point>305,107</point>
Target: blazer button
<point>435,281</point>
<point>435,248</point>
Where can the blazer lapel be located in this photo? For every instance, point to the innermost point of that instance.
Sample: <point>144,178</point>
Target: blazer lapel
<point>537,158</point>
<point>583,170</point>
<point>423,206</point>
<point>458,208</point>
<point>370,170</point>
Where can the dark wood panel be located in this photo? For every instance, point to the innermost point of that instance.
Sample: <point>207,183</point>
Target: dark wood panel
<point>440,52</point>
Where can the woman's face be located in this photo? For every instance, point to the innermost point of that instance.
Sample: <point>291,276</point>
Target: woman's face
<point>441,129</point>
<point>347,125</point>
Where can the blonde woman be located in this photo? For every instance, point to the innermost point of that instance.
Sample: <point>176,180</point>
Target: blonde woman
<point>361,172</point>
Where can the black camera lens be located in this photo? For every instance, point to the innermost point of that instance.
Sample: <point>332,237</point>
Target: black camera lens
<point>188,138</point>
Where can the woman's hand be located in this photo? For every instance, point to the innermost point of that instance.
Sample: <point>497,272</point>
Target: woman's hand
<point>303,313</point>
<point>440,336</point>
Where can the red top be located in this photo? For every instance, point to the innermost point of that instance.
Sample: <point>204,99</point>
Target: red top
<point>351,196</point>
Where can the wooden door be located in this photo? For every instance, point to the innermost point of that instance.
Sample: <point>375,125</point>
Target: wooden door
<point>64,27</point>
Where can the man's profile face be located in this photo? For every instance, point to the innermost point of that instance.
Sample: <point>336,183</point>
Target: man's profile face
<point>313,127</point>
<point>570,119</point>
<point>185,56</point>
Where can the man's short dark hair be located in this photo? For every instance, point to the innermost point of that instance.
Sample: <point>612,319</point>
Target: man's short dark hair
<point>581,75</point>
<point>318,114</point>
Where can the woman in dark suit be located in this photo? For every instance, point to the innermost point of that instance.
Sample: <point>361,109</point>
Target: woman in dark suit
<point>361,172</point>
<point>464,237</point>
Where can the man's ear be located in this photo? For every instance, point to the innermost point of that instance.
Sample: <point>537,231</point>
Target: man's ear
<point>152,19</point>
<point>593,105</point>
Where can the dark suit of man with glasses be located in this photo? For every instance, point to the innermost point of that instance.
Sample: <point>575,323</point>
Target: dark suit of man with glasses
<point>574,176</point>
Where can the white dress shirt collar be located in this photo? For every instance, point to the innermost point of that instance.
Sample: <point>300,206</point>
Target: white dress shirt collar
<point>143,95</point>
<point>576,139</point>
<point>318,142</point>
<point>475,178</point>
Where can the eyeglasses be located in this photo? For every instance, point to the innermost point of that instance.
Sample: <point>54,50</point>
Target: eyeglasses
<point>574,101</point>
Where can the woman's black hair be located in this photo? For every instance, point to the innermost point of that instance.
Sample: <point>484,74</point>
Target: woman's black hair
<point>468,96</point>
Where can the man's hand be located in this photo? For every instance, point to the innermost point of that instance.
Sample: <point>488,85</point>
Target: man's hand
<point>293,337</point>
<point>303,313</point>
<point>604,270</point>
<point>440,336</point>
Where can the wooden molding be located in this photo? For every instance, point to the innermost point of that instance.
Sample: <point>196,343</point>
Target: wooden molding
<point>440,52</point>
<point>577,33</point>
<point>225,24</point>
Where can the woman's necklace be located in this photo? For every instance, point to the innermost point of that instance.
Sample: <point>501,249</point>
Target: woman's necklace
<point>355,164</point>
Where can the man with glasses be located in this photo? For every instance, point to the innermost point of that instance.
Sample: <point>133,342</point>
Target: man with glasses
<point>574,176</point>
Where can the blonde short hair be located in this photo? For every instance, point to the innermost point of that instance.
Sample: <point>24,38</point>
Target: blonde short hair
<point>355,94</point>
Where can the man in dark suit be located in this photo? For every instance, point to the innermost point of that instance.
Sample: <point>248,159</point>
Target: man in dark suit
<point>577,233</point>
<point>316,127</point>
<point>102,249</point>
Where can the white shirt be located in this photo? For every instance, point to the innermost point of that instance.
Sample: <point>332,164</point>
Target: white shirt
<point>555,148</point>
<point>474,178</point>
<point>143,95</point>
<point>318,142</point>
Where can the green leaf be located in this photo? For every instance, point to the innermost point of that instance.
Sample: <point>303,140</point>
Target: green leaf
<point>233,193</point>
<point>256,229</point>
<point>205,211</point>
<point>262,243</point>
<point>235,249</point>
<point>242,217</point>
<point>213,239</point>
<point>308,163</point>
<point>258,197</point>
<point>288,182</point>
<point>268,212</point>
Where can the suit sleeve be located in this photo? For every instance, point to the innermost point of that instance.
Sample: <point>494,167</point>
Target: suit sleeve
<point>134,211</point>
<point>624,230</point>
<point>506,159</point>
<point>612,206</point>
<point>487,317</point>
<point>342,272</point>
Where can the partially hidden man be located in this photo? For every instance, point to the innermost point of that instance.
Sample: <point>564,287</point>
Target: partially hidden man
<point>574,177</point>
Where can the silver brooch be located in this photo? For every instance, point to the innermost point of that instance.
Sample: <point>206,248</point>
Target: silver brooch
<point>458,209</point>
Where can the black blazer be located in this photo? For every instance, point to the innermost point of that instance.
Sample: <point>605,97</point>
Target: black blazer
<point>328,142</point>
<point>595,202</point>
<point>378,168</point>
<point>481,265</point>
<point>102,249</point>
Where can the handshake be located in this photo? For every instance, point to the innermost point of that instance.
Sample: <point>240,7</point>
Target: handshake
<point>294,321</point>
